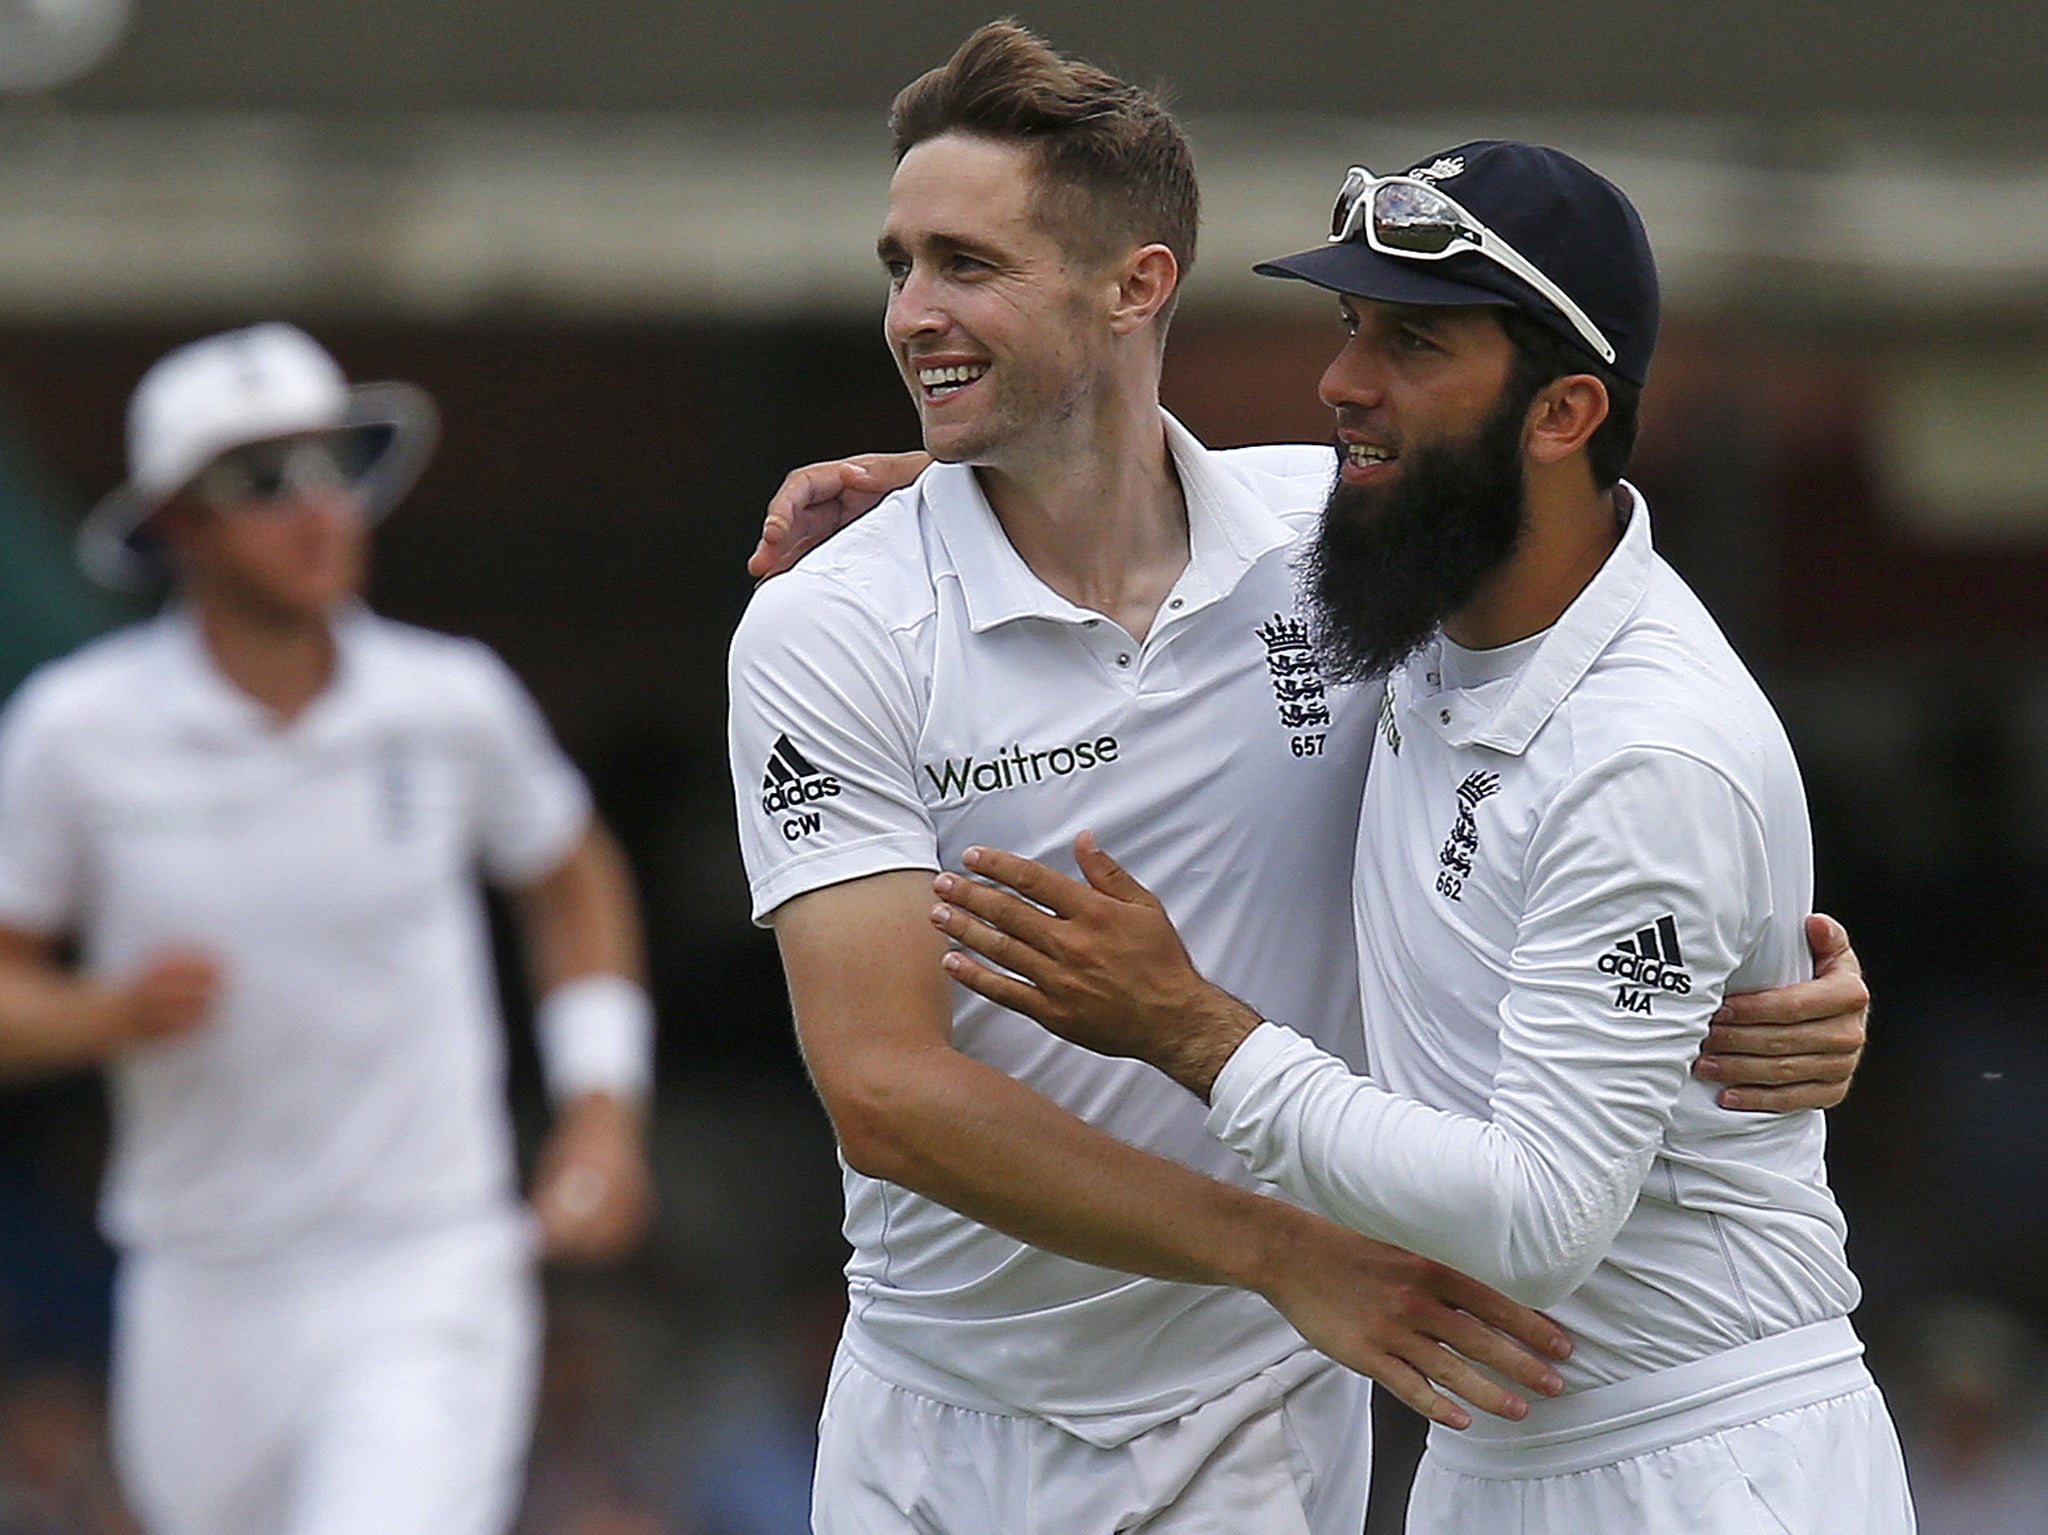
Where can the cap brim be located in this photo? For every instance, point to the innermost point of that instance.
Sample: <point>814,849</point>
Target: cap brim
<point>396,423</point>
<point>1354,267</point>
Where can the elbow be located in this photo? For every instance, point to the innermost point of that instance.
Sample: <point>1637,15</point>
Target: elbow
<point>1540,1272</point>
<point>870,1123</point>
<point>1541,1288</point>
<point>1556,1228</point>
<point>869,1150</point>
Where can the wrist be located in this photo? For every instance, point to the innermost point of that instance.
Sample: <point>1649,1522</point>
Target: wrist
<point>1215,1025</point>
<point>596,1040</point>
<point>1274,1232</point>
<point>609,1110</point>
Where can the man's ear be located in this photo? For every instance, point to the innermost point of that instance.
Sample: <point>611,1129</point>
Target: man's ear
<point>1564,414</point>
<point>1146,281</point>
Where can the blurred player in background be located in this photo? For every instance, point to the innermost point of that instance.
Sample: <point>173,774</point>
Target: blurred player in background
<point>1081,618</point>
<point>260,817</point>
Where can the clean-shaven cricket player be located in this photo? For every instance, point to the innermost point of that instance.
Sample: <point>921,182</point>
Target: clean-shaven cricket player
<point>1582,827</point>
<point>1071,1307</point>
<point>261,817</point>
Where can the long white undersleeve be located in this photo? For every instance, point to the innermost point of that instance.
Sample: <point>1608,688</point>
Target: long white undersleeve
<point>1529,1199</point>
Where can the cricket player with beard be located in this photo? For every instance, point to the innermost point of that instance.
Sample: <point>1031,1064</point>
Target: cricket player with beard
<point>1583,825</point>
<point>1070,1306</point>
<point>261,817</point>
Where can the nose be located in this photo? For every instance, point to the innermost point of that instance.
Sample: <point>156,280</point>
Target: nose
<point>1354,376</point>
<point>322,514</point>
<point>327,503</point>
<point>913,309</point>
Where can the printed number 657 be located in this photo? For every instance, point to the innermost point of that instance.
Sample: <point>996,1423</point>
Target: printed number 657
<point>1307,746</point>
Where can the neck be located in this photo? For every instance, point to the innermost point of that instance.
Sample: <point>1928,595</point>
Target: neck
<point>1570,531</point>
<point>283,660</point>
<point>1099,517</point>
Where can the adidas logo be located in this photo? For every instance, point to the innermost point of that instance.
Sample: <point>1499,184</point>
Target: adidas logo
<point>1649,960</point>
<point>790,782</point>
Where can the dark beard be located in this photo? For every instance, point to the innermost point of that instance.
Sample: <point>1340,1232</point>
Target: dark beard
<point>1389,566</point>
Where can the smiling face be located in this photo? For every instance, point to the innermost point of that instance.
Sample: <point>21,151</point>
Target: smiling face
<point>999,330</point>
<point>1410,376</point>
<point>1430,501</point>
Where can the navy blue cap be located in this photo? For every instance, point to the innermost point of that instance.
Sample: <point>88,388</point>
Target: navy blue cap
<point>1573,225</point>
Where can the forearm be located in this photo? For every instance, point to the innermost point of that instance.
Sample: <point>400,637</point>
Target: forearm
<point>582,919</point>
<point>593,1020</point>
<point>50,1021</point>
<point>981,1143</point>
<point>1522,1210</point>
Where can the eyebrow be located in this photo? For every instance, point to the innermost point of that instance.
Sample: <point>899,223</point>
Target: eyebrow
<point>889,247</point>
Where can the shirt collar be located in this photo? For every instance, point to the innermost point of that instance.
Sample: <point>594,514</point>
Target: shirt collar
<point>1506,715</point>
<point>1230,528</point>
<point>206,703</point>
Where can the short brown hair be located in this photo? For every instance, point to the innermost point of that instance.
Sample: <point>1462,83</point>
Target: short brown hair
<point>1110,156</point>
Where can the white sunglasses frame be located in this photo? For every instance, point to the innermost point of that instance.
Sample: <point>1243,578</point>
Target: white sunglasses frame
<point>1472,235</point>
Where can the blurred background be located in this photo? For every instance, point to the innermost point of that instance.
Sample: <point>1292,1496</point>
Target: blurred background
<point>628,245</point>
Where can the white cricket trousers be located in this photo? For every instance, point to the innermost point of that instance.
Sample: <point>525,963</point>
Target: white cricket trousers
<point>1784,1436</point>
<point>346,1387</point>
<point>1288,1452</point>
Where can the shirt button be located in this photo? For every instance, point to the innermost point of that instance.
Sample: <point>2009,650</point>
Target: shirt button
<point>1124,658</point>
<point>1435,679</point>
<point>1445,716</point>
<point>1090,623</point>
<point>1178,602</point>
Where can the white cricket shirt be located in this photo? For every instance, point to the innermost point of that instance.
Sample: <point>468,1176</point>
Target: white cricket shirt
<point>913,689</point>
<point>1562,871</point>
<point>350,1078</point>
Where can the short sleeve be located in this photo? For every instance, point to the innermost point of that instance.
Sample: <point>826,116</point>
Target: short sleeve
<point>824,726</point>
<point>530,804</point>
<point>42,826</point>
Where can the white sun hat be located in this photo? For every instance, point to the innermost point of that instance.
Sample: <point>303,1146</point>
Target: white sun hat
<point>245,386</point>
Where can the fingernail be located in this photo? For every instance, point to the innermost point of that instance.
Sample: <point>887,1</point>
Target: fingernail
<point>943,884</point>
<point>953,961</point>
<point>940,913</point>
<point>1561,1347</point>
<point>972,858</point>
<point>1460,1419</point>
<point>1706,1066</point>
<point>1553,1384</point>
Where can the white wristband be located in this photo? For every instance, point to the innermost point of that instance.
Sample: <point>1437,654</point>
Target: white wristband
<point>596,1035</point>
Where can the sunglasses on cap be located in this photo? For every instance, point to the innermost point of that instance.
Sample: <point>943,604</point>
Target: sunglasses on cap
<point>1409,217</point>
<point>270,474</point>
